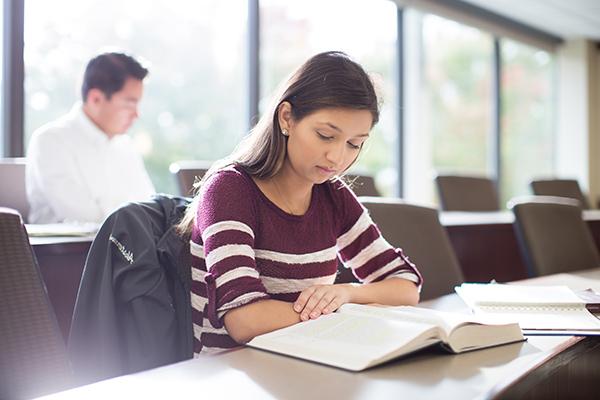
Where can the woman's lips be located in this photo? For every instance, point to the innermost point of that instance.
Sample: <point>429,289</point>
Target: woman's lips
<point>326,171</point>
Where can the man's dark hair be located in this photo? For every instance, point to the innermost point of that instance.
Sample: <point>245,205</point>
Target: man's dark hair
<point>109,71</point>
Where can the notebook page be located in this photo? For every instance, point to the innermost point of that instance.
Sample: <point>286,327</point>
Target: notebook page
<point>478,294</point>
<point>574,317</point>
<point>533,307</point>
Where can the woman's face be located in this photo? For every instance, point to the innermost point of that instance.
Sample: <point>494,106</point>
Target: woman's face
<point>326,142</point>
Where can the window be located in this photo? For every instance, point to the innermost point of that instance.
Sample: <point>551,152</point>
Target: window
<point>293,31</point>
<point>527,123</point>
<point>195,101</point>
<point>449,95</point>
<point>195,95</point>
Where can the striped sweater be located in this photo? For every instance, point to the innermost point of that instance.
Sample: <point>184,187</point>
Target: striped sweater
<point>244,249</point>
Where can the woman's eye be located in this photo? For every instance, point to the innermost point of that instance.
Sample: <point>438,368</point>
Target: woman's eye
<point>354,146</point>
<point>324,137</point>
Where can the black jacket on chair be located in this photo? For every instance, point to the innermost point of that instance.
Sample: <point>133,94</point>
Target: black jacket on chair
<point>133,308</point>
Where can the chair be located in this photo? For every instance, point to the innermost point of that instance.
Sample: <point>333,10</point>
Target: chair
<point>362,185</point>
<point>418,231</point>
<point>467,193</point>
<point>187,172</point>
<point>553,235</point>
<point>33,358</point>
<point>560,187</point>
<point>12,179</point>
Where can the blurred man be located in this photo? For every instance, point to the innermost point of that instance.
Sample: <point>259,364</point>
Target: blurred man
<point>82,166</point>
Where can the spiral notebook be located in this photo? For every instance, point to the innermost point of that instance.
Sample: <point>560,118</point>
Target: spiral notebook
<point>537,309</point>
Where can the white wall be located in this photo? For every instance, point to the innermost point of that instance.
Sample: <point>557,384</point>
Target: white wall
<point>578,135</point>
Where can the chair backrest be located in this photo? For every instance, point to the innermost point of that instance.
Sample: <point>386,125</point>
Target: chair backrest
<point>561,188</point>
<point>553,235</point>
<point>33,358</point>
<point>467,193</point>
<point>12,180</point>
<point>363,185</point>
<point>187,172</point>
<point>419,233</point>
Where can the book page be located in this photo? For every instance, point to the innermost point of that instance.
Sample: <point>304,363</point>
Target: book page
<point>347,340</point>
<point>447,321</point>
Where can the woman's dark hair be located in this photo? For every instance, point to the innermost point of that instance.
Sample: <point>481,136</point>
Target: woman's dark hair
<point>327,80</point>
<point>109,71</point>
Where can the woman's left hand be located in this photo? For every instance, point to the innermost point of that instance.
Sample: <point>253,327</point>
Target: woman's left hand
<point>321,299</point>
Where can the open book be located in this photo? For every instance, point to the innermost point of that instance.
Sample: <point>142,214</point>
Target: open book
<point>537,309</point>
<point>361,336</point>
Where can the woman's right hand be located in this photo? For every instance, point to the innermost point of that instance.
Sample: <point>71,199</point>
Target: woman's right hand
<point>318,300</point>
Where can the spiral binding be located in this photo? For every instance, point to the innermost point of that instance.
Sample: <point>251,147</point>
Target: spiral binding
<point>540,308</point>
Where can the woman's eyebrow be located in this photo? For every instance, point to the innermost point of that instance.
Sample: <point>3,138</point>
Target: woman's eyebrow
<point>332,126</point>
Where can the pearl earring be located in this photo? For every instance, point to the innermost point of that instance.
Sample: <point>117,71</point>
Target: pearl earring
<point>284,132</point>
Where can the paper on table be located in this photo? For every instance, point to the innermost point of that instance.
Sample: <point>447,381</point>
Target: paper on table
<point>496,294</point>
<point>573,282</point>
<point>87,229</point>
<point>534,307</point>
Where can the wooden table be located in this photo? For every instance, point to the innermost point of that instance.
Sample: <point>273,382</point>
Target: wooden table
<point>543,367</point>
<point>486,244</point>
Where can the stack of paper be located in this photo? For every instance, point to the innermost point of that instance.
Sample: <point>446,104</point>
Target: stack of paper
<point>537,309</point>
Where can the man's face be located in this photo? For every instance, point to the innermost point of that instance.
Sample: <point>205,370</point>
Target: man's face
<point>115,115</point>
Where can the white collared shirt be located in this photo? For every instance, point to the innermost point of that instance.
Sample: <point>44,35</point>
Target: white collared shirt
<point>76,173</point>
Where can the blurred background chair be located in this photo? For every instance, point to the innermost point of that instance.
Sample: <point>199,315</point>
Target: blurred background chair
<point>560,187</point>
<point>33,358</point>
<point>186,173</point>
<point>553,236</point>
<point>418,232</point>
<point>12,181</point>
<point>362,185</point>
<point>467,193</point>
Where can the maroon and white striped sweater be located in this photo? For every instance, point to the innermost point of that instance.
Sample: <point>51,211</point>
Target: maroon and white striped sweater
<point>244,248</point>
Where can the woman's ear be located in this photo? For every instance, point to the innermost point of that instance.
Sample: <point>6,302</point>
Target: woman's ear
<point>284,116</point>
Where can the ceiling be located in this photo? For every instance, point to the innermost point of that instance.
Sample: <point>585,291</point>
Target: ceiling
<point>569,19</point>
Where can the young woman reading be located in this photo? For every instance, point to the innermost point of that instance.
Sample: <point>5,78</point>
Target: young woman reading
<point>269,222</point>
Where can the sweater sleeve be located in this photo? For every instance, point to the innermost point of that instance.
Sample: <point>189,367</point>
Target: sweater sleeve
<point>363,249</point>
<point>227,221</point>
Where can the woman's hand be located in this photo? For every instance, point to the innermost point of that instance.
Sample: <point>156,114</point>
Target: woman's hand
<point>321,299</point>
